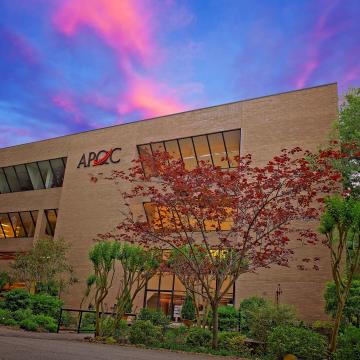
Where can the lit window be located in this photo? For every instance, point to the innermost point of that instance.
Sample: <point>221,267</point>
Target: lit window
<point>220,149</point>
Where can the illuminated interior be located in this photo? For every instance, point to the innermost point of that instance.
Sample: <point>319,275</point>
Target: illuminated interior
<point>219,149</point>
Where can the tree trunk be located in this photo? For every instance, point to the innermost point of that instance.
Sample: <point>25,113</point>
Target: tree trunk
<point>215,325</point>
<point>97,322</point>
<point>335,331</point>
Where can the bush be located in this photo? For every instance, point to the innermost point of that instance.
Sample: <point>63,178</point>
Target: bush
<point>188,309</point>
<point>21,314</point>
<point>45,322</point>
<point>5,315</point>
<point>247,308</point>
<point>10,322</point>
<point>263,319</point>
<point>348,344</point>
<point>156,317</point>
<point>4,279</point>
<point>198,337</point>
<point>303,343</point>
<point>228,318</point>
<point>175,336</point>
<point>17,299</point>
<point>29,324</point>
<point>145,332</point>
<point>46,305</point>
<point>352,306</point>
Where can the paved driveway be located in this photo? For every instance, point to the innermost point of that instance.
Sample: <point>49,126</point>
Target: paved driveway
<point>18,345</point>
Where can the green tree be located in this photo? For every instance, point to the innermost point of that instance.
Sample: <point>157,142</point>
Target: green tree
<point>351,312</point>
<point>341,225</point>
<point>103,257</point>
<point>348,126</point>
<point>188,309</point>
<point>138,266</point>
<point>45,266</point>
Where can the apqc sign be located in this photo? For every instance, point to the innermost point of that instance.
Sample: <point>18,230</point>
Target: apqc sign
<point>100,158</point>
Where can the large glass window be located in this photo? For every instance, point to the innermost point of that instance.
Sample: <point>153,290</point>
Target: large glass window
<point>24,178</point>
<point>7,226</point>
<point>166,292</point>
<point>32,176</point>
<point>35,175</point>
<point>220,149</point>
<point>162,217</point>
<point>12,179</point>
<point>22,224</point>
<point>4,186</point>
<point>51,217</point>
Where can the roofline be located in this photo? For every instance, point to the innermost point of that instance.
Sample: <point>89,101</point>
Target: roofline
<point>181,112</point>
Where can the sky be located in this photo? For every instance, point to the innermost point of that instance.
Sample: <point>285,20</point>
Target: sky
<point>68,66</point>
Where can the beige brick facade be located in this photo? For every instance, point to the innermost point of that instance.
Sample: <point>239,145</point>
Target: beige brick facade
<point>298,118</point>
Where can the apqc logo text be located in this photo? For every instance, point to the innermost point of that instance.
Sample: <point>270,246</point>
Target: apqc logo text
<point>100,158</point>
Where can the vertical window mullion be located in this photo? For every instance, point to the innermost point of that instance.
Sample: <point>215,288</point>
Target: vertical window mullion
<point>181,155</point>
<point>7,180</point>
<point>1,228</point>
<point>41,175</point>
<point>226,152</point>
<point>208,142</point>
<point>48,222</point>
<point>159,287</point>
<point>17,177</point>
<point>55,180</point>
<point>192,141</point>
<point>11,223</point>
<point>33,220</point>
<point>22,224</point>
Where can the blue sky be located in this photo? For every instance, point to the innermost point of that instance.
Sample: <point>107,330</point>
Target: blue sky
<point>73,65</point>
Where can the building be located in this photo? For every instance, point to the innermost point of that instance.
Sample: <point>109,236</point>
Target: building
<point>45,187</point>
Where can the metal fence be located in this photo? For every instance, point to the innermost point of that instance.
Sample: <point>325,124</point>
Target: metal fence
<point>80,323</point>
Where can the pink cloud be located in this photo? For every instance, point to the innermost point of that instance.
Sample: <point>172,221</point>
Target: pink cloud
<point>128,27</point>
<point>123,25</point>
<point>149,98</point>
<point>323,29</point>
<point>66,103</point>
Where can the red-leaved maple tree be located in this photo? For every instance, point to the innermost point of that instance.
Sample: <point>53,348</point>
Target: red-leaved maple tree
<point>225,222</point>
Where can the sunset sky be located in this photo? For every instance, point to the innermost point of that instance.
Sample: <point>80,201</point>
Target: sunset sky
<point>73,65</point>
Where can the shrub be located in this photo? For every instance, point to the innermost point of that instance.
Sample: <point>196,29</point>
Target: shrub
<point>45,322</point>
<point>17,299</point>
<point>352,306</point>
<point>10,322</point>
<point>156,317</point>
<point>263,319</point>
<point>225,337</point>
<point>176,336</point>
<point>228,318</point>
<point>303,343</point>
<point>107,327</point>
<point>247,308</point>
<point>46,305</point>
<point>188,309</point>
<point>4,279</point>
<point>348,344</point>
<point>21,314</point>
<point>145,332</point>
<point>198,337</point>
<point>29,324</point>
<point>5,315</point>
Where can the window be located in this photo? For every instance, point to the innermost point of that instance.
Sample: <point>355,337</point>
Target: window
<point>165,291</point>
<point>219,149</point>
<point>163,218</point>
<point>22,224</point>
<point>32,176</point>
<point>51,217</point>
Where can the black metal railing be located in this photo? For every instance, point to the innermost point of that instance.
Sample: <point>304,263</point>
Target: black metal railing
<point>80,323</point>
